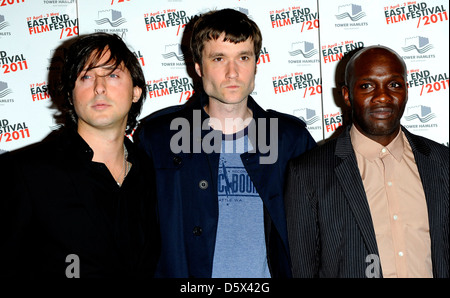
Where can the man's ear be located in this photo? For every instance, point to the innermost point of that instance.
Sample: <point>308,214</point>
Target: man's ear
<point>198,69</point>
<point>137,92</point>
<point>346,95</point>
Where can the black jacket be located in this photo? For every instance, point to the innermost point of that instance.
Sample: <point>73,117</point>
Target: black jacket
<point>61,209</point>
<point>329,223</point>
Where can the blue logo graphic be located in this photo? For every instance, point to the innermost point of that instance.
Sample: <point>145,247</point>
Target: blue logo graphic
<point>3,23</point>
<point>173,50</point>
<point>352,11</point>
<point>422,113</point>
<point>4,90</point>
<point>111,16</point>
<point>307,115</point>
<point>419,43</point>
<point>304,48</point>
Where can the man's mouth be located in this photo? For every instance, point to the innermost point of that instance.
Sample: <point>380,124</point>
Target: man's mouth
<point>381,113</point>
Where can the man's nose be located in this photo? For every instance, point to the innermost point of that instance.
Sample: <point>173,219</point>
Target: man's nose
<point>100,85</point>
<point>382,95</point>
<point>232,70</point>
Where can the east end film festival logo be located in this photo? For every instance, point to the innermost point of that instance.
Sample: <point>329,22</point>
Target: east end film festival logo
<point>421,116</point>
<point>294,15</point>
<point>12,63</point>
<point>11,132</point>
<point>421,12</point>
<point>335,52</point>
<point>39,91</point>
<point>50,22</point>
<point>158,88</point>
<point>297,81</point>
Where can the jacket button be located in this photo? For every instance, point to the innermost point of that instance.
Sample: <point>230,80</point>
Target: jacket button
<point>203,184</point>
<point>197,231</point>
<point>177,160</point>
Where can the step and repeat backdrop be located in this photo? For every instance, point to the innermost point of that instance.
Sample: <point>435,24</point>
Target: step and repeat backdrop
<point>300,70</point>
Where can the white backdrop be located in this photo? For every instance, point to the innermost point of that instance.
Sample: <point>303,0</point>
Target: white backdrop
<point>299,72</point>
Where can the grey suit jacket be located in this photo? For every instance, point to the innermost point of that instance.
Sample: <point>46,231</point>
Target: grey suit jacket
<point>329,223</point>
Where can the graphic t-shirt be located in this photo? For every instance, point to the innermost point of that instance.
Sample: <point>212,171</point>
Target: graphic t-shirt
<point>240,249</point>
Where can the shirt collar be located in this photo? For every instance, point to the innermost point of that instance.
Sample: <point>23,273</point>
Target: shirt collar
<point>372,150</point>
<point>76,144</point>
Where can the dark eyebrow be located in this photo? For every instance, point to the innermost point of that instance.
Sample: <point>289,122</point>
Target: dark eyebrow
<point>216,54</point>
<point>220,54</point>
<point>248,53</point>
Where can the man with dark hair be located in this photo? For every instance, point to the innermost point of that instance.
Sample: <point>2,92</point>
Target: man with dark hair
<point>83,204</point>
<point>374,201</point>
<point>219,183</point>
<point>79,58</point>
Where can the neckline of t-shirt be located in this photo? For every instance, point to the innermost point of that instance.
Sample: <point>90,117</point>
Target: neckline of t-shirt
<point>235,136</point>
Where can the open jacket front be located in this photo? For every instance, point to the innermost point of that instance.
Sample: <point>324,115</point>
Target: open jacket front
<point>187,188</point>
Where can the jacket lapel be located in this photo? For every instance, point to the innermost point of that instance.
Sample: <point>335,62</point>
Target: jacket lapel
<point>349,178</point>
<point>434,178</point>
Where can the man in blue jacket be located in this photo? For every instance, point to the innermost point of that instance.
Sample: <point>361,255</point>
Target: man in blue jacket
<point>220,162</point>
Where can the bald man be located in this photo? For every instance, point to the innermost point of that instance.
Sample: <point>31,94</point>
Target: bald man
<point>373,202</point>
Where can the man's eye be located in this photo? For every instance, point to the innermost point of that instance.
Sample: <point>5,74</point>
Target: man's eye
<point>218,59</point>
<point>113,75</point>
<point>245,58</point>
<point>365,86</point>
<point>396,85</point>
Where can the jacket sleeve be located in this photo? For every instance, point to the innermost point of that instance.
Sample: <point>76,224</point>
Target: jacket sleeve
<point>15,217</point>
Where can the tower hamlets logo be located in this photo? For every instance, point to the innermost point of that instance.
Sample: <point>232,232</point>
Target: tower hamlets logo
<point>4,90</point>
<point>423,113</point>
<point>111,16</point>
<point>173,50</point>
<point>304,48</point>
<point>3,22</point>
<point>307,115</point>
<point>351,11</point>
<point>419,43</point>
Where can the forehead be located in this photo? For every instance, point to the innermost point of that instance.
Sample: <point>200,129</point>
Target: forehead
<point>378,62</point>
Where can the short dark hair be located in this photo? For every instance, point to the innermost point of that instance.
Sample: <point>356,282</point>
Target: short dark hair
<point>76,60</point>
<point>236,26</point>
